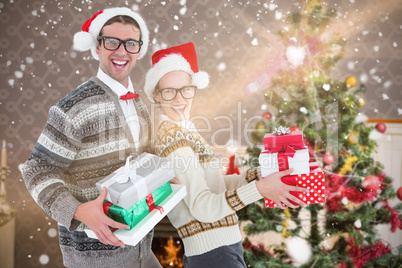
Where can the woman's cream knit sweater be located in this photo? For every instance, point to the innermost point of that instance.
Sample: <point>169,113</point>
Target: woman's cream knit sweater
<point>206,218</point>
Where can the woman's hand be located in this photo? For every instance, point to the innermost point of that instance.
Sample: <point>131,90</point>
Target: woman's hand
<point>273,188</point>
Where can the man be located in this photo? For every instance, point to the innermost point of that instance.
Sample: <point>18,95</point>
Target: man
<point>88,135</point>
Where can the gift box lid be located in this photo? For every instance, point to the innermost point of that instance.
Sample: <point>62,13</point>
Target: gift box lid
<point>272,140</point>
<point>134,181</point>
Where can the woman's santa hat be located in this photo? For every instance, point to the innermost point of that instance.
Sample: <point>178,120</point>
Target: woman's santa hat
<point>178,58</point>
<point>87,38</point>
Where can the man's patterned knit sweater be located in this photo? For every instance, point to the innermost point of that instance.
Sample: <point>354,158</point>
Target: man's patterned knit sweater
<point>85,139</point>
<point>206,218</point>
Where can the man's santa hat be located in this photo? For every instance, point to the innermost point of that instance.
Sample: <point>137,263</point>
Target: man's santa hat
<point>178,58</point>
<point>87,38</point>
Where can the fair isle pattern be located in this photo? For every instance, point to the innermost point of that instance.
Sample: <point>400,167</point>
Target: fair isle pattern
<point>195,227</point>
<point>82,243</point>
<point>234,201</point>
<point>252,174</point>
<point>171,137</point>
<point>93,110</point>
<point>83,92</point>
<point>103,149</point>
<point>59,149</point>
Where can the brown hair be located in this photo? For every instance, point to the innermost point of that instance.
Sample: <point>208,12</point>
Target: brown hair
<point>123,19</point>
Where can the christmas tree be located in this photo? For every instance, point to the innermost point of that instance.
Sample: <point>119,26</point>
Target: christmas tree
<point>302,96</point>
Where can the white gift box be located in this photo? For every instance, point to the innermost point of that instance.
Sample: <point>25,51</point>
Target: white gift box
<point>299,162</point>
<point>134,236</point>
<point>138,178</point>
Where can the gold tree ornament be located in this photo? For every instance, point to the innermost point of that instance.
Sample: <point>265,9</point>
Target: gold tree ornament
<point>351,81</point>
<point>353,137</point>
<point>362,102</point>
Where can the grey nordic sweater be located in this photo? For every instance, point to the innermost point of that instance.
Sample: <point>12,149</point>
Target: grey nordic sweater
<point>85,139</point>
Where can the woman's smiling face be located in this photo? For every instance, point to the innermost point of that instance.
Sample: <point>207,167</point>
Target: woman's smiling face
<point>177,109</point>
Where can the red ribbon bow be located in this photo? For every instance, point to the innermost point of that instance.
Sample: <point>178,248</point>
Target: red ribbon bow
<point>289,149</point>
<point>129,96</point>
<point>284,152</point>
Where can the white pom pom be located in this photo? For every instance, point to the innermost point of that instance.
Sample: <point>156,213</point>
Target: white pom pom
<point>200,80</point>
<point>84,41</point>
<point>360,118</point>
<point>358,224</point>
<point>299,250</point>
<point>375,135</point>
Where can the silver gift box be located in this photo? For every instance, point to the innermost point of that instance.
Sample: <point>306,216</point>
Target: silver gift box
<point>136,179</point>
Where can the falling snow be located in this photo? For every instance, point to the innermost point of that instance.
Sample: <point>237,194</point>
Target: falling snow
<point>254,42</point>
<point>221,66</point>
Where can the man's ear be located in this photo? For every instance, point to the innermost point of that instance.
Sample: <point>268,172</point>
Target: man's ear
<point>98,49</point>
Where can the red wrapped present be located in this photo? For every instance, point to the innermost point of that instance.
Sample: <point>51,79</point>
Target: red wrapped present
<point>284,149</point>
<point>314,181</point>
<point>277,142</point>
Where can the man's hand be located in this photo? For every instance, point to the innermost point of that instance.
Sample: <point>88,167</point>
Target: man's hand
<point>91,214</point>
<point>174,181</point>
<point>274,189</point>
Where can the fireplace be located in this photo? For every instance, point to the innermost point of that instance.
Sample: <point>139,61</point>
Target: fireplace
<point>167,245</point>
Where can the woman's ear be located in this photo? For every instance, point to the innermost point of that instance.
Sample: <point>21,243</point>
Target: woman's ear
<point>156,97</point>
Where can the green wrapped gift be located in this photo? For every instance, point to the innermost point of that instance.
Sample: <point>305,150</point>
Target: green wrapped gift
<point>137,212</point>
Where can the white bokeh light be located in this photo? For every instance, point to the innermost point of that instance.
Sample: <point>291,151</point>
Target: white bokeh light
<point>52,232</point>
<point>44,259</point>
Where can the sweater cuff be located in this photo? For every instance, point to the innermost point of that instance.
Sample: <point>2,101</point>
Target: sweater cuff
<point>253,174</point>
<point>249,193</point>
<point>64,211</point>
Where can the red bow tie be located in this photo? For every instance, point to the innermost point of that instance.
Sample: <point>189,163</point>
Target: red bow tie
<point>129,96</point>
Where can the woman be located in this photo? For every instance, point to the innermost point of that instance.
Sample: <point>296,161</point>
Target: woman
<point>206,219</point>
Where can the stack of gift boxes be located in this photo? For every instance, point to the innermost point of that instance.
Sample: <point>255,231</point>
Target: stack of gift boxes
<point>139,195</point>
<point>285,149</point>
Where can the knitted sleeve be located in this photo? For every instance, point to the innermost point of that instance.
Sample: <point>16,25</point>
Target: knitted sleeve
<point>43,172</point>
<point>56,149</point>
<point>206,204</point>
<point>235,181</point>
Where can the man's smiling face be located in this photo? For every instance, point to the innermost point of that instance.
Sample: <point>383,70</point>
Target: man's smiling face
<point>118,64</point>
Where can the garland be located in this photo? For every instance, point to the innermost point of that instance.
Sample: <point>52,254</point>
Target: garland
<point>363,254</point>
<point>337,189</point>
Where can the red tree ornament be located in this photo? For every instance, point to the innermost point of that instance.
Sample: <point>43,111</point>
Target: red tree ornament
<point>371,183</point>
<point>294,128</point>
<point>328,159</point>
<point>399,193</point>
<point>232,169</point>
<point>266,115</point>
<point>381,127</point>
